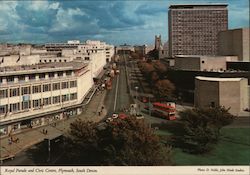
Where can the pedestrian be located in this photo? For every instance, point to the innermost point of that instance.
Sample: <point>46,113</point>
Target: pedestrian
<point>10,141</point>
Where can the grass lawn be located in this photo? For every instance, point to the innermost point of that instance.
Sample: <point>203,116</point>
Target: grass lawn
<point>233,149</point>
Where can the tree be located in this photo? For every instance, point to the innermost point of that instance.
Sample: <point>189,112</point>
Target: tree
<point>122,142</point>
<point>164,89</point>
<point>200,128</point>
<point>160,68</point>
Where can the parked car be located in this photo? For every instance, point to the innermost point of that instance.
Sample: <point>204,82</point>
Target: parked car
<point>114,116</point>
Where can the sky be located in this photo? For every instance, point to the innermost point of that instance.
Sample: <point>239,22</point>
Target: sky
<point>114,21</point>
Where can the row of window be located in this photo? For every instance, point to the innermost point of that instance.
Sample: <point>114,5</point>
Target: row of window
<point>33,76</point>
<point>37,89</point>
<point>14,107</point>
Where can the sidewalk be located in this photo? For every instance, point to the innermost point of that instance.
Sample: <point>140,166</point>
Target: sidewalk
<point>34,136</point>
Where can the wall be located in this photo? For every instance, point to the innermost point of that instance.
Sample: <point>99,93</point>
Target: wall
<point>230,96</point>
<point>187,63</point>
<point>205,93</point>
<point>234,42</point>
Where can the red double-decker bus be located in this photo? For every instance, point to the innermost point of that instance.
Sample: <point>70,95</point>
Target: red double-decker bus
<point>163,110</point>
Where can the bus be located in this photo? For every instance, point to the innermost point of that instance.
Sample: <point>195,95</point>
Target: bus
<point>163,110</point>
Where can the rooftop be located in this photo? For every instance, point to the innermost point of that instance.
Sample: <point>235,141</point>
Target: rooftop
<point>217,79</point>
<point>42,67</point>
<point>176,6</point>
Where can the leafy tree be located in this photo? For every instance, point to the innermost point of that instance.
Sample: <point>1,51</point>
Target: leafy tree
<point>164,89</point>
<point>200,128</point>
<point>160,68</point>
<point>121,142</point>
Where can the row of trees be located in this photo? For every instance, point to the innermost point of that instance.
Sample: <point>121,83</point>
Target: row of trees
<point>154,72</point>
<point>122,142</point>
<point>132,142</point>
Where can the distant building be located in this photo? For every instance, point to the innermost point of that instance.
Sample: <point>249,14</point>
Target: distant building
<point>163,52</point>
<point>124,49</point>
<point>234,42</point>
<point>193,29</point>
<point>203,63</point>
<point>231,93</point>
<point>158,43</point>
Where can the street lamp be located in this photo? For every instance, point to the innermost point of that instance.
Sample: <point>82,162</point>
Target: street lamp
<point>136,89</point>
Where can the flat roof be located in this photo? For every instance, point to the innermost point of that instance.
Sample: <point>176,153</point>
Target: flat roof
<point>197,5</point>
<point>42,68</point>
<point>217,79</point>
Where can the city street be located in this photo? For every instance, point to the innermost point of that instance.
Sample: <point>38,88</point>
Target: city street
<point>118,97</point>
<point>31,139</point>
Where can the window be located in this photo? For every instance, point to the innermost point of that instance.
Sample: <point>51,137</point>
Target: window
<point>202,61</point>
<point>4,93</point>
<point>32,77</point>
<point>46,101</point>
<point>41,76</point>
<point>69,73</point>
<point>56,86</point>
<point>21,78</point>
<point>73,83</point>
<point>56,99</point>
<point>3,109</point>
<point>65,97</point>
<point>59,74</point>
<point>36,103</point>
<point>73,96</point>
<point>51,75</point>
<point>46,87</point>
<point>14,92</point>
<point>36,89</point>
<point>10,79</point>
<point>25,90</point>
<point>65,85</point>
<point>26,105</point>
<point>14,107</point>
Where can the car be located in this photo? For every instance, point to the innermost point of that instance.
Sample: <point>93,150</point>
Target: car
<point>114,116</point>
<point>109,119</point>
<point>139,116</point>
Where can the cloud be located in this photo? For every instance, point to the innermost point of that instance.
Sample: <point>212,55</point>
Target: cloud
<point>112,21</point>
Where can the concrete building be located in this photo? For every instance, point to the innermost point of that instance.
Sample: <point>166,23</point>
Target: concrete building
<point>193,29</point>
<point>203,63</point>
<point>234,42</point>
<point>35,95</point>
<point>43,84</point>
<point>231,93</point>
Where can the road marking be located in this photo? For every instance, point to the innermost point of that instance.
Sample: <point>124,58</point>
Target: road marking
<point>116,91</point>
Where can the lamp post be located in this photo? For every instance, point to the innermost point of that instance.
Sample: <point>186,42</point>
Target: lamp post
<point>136,89</point>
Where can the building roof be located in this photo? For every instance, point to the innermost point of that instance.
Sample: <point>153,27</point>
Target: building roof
<point>177,6</point>
<point>217,79</point>
<point>42,68</point>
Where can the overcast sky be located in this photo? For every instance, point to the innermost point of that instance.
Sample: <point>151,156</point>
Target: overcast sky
<point>114,21</point>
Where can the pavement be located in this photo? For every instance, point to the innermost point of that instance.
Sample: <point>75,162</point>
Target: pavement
<point>33,136</point>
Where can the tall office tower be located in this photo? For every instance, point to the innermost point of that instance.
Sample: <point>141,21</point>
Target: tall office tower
<point>193,29</point>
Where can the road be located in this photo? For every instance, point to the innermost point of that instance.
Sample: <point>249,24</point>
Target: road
<point>118,97</point>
